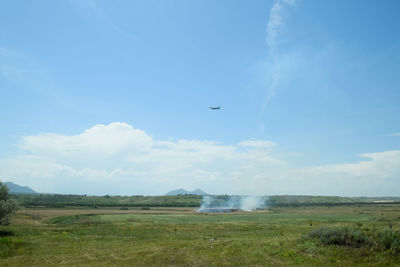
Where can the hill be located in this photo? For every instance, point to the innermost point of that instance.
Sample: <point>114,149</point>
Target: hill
<point>18,189</point>
<point>185,192</point>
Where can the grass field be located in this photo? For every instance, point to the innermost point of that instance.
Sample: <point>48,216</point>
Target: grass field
<point>180,236</point>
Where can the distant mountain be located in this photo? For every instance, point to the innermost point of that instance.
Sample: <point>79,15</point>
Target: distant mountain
<point>18,189</point>
<point>185,192</point>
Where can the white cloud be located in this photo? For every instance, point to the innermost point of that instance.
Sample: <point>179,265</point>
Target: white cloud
<point>394,134</point>
<point>119,159</point>
<point>378,175</point>
<point>100,141</point>
<point>118,152</point>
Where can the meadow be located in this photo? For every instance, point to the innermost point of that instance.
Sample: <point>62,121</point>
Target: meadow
<point>277,236</point>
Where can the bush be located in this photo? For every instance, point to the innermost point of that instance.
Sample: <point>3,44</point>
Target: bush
<point>7,206</point>
<point>343,236</point>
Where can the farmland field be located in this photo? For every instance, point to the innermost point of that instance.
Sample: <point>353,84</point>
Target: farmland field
<point>180,236</point>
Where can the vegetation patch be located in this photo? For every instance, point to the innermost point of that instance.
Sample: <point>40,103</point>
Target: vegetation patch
<point>386,239</point>
<point>61,201</point>
<point>343,236</point>
<point>390,240</point>
<point>73,219</point>
<point>9,246</point>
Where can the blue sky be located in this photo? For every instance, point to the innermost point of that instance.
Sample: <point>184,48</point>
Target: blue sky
<point>309,95</point>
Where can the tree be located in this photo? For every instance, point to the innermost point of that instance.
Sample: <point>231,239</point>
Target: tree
<point>7,206</point>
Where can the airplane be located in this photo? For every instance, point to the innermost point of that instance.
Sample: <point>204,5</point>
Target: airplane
<point>214,108</point>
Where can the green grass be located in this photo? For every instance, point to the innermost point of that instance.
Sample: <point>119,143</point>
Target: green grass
<point>272,238</point>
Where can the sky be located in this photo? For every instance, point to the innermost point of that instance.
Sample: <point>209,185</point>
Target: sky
<point>112,97</point>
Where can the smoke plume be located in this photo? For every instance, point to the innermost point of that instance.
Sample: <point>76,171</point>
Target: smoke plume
<point>229,203</point>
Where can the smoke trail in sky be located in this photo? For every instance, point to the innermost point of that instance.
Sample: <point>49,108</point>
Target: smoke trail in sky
<point>274,27</point>
<point>275,21</point>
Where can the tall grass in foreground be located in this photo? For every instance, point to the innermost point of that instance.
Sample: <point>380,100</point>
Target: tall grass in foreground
<point>390,240</point>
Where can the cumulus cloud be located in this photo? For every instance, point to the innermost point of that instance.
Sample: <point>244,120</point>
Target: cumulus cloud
<point>100,141</point>
<point>119,152</point>
<point>119,159</point>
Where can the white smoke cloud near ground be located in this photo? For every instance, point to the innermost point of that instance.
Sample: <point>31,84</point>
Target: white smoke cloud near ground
<point>230,203</point>
<point>120,159</point>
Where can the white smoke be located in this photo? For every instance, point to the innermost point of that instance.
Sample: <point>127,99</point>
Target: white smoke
<point>244,203</point>
<point>249,203</point>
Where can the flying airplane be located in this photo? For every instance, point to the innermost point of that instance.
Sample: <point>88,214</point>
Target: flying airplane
<point>214,108</point>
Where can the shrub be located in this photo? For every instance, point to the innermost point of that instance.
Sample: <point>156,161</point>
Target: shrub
<point>387,239</point>
<point>7,206</point>
<point>343,236</point>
